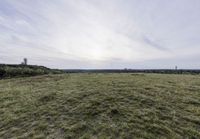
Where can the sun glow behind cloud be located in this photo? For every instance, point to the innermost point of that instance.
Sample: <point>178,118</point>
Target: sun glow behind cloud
<point>98,34</point>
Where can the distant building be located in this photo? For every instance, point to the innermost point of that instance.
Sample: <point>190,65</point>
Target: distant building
<point>25,62</point>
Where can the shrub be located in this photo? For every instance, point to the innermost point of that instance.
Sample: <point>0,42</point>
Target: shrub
<point>24,70</point>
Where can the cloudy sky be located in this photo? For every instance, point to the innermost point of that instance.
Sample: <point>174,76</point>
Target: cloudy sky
<point>101,33</point>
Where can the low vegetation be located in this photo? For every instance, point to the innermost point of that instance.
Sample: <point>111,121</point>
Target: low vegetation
<point>7,71</point>
<point>101,106</point>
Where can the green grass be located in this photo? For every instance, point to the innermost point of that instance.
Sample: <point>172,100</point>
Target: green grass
<point>99,106</point>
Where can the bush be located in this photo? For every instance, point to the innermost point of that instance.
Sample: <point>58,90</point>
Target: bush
<point>24,70</point>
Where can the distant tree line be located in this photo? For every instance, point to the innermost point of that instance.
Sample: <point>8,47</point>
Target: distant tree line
<point>160,71</point>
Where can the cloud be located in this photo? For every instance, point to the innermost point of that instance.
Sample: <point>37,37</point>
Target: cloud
<point>101,34</point>
<point>153,43</point>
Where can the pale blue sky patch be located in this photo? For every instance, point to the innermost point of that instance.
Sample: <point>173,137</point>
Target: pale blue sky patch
<point>101,33</point>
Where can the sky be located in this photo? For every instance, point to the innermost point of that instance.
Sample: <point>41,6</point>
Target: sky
<point>89,34</point>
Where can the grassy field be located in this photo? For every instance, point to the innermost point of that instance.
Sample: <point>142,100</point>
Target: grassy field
<point>99,106</point>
